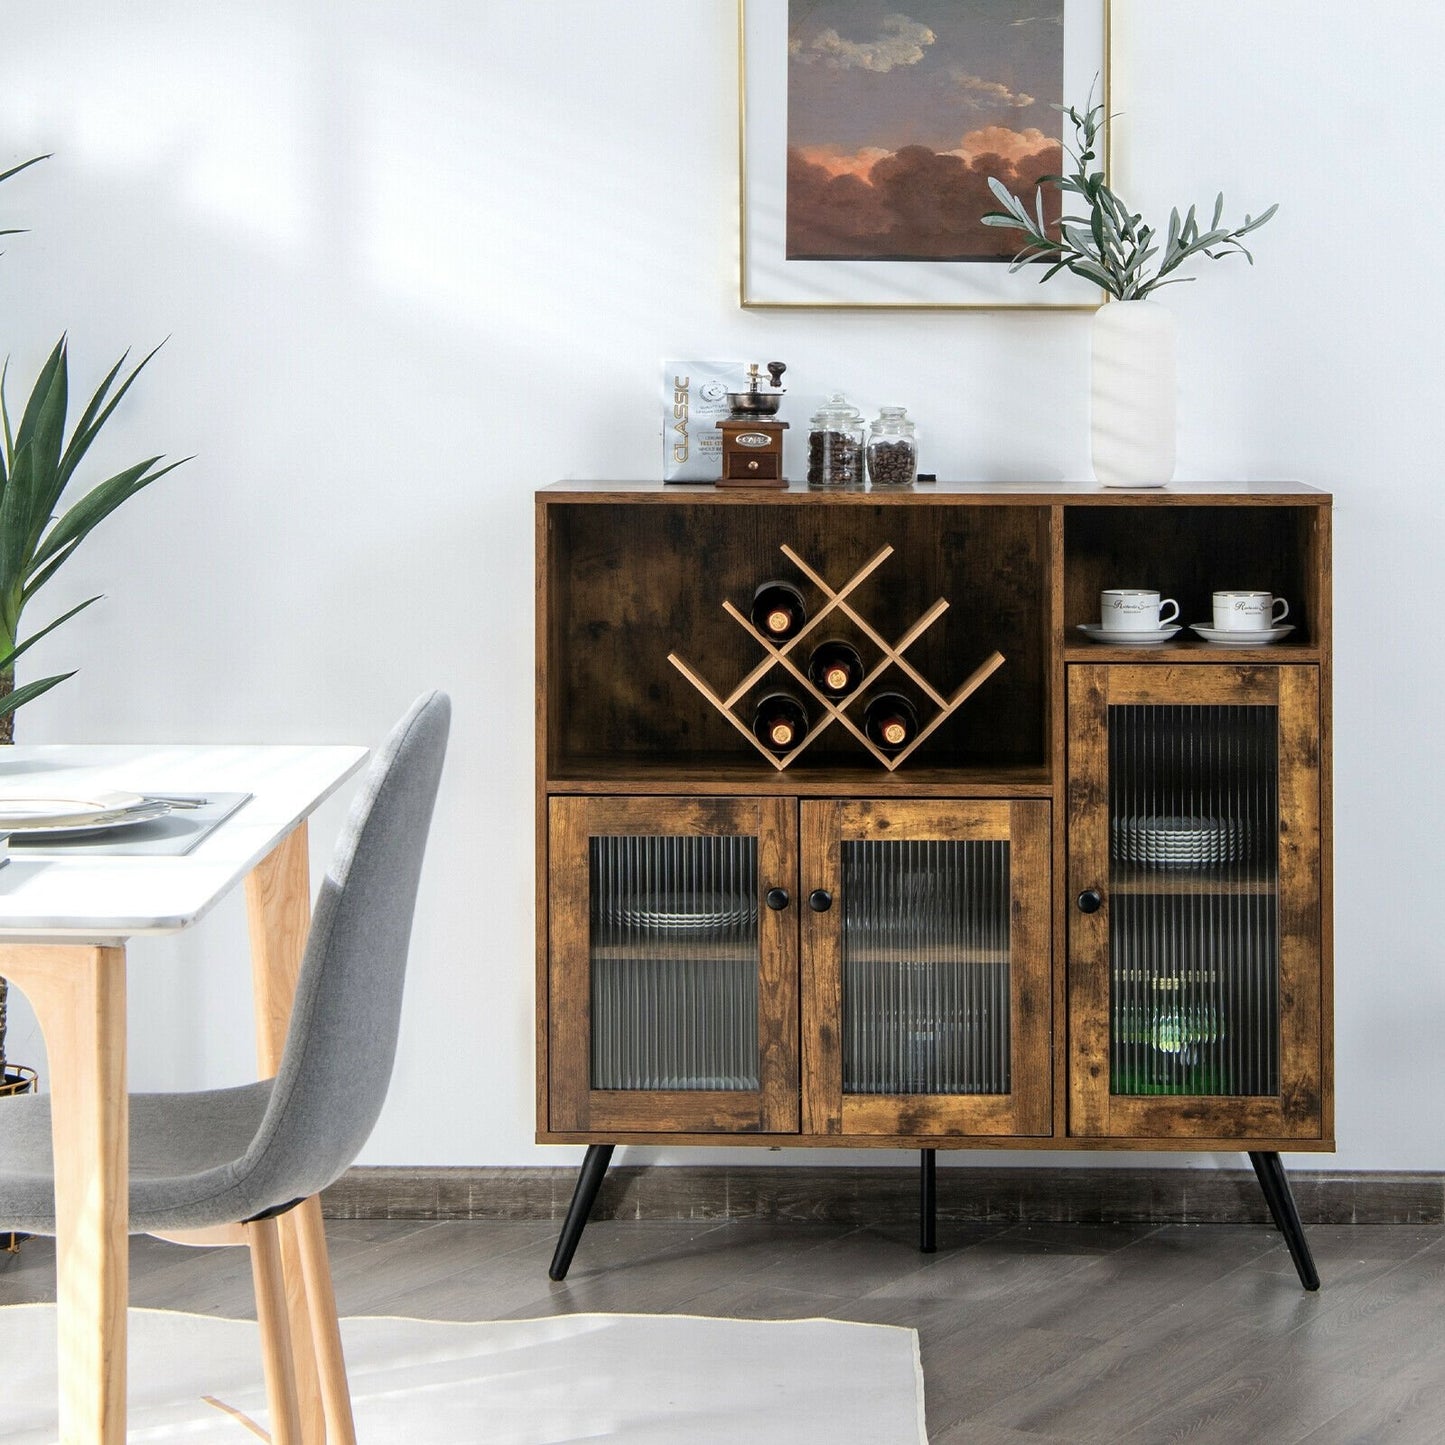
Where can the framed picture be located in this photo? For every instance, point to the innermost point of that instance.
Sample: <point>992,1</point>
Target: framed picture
<point>870,128</point>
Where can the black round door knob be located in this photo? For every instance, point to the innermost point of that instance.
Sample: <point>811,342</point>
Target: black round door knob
<point>820,900</point>
<point>777,898</point>
<point>1090,901</point>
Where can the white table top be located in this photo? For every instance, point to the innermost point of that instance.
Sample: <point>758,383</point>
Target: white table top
<point>104,899</point>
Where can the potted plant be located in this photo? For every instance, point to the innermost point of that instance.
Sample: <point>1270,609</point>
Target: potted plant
<point>38,466</point>
<point>1110,244</point>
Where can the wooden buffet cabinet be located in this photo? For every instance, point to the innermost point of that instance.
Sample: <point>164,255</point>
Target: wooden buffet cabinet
<point>1091,909</point>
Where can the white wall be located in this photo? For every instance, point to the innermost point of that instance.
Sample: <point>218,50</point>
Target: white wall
<point>416,259</point>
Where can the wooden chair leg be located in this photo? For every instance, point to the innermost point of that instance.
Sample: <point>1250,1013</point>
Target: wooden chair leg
<point>325,1326</point>
<point>308,1376</point>
<point>271,1314</point>
<point>278,905</point>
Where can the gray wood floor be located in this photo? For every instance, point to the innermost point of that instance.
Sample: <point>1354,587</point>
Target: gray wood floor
<point>1031,1334</point>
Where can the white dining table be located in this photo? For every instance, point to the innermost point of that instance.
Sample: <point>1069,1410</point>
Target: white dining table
<point>65,917</point>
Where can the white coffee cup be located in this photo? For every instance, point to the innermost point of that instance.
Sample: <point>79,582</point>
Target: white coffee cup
<point>1248,611</point>
<point>1132,609</point>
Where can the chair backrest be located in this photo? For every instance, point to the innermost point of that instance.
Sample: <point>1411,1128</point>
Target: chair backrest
<point>342,1039</point>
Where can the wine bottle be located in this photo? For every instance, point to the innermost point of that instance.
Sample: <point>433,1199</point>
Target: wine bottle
<point>780,722</point>
<point>778,610</point>
<point>835,668</point>
<point>890,722</point>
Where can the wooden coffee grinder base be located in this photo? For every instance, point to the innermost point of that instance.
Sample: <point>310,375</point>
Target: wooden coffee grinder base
<point>752,452</point>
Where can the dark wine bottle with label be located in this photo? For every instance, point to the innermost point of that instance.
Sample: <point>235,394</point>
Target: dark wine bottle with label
<point>780,722</point>
<point>890,722</point>
<point>835,668</point>
<point>778,610</point>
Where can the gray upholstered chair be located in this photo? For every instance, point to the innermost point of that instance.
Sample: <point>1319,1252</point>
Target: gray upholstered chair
<point>219,1166</point>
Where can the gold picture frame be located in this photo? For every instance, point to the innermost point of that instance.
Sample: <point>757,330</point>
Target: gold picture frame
<point>769,278</point>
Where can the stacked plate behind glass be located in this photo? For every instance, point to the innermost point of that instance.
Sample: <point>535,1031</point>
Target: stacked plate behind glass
<point>1182,841</point>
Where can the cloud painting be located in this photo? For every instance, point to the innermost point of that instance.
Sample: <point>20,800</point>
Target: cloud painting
<point>897,117</point>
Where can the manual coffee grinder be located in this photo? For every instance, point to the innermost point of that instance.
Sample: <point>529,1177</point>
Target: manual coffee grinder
<point>752,442</point>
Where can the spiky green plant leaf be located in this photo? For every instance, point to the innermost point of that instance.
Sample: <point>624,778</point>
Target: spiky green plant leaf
<point>37,536</point>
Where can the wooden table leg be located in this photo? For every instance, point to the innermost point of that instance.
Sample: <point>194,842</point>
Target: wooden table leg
<point>278,904</point>
<point>78,994</point>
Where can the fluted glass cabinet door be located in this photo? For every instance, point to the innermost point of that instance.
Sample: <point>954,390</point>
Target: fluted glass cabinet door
<point>926,999</point>
<point>1194,962</point>
<point>672,984</point>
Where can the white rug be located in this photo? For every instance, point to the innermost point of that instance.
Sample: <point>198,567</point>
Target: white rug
<point>641,1379</point>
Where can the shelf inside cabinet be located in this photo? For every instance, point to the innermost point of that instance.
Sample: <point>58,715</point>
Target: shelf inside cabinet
<point>1192,650</point>
<point>725,774</point>
<point>1189,552</point>
<point>1130,878</point>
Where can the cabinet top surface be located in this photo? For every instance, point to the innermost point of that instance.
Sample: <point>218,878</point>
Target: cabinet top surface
<point>955,493</point>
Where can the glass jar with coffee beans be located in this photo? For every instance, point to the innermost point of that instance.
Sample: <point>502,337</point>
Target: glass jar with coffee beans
<point>835,444</point>
<point>892,450</point>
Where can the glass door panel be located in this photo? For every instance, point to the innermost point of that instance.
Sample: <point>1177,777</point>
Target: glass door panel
<point>673,966</point>
<point>925,950</point>
<point>675,962</point>
<point>926,968</point>
<point>1194,883</point>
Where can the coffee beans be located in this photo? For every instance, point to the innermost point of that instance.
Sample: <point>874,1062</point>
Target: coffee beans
<point>835,459</point>
<point>891,463</point>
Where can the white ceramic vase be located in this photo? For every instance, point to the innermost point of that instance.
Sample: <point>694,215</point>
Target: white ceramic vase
<point>1132,416</point>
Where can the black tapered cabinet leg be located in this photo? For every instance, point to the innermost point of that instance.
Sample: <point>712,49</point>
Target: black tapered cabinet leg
<point>1272,1181</point>
<point>584,1196</point>
<point>927,1201</point>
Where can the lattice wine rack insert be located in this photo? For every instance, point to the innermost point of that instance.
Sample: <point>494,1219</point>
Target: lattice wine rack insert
<point>833,710</point>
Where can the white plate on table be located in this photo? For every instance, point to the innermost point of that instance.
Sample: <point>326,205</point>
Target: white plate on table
<point>73,816</point>
<point>1262,638</point>
<point>1096,632</point>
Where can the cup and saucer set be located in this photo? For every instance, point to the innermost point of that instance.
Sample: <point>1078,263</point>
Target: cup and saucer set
<point>1137,617</point>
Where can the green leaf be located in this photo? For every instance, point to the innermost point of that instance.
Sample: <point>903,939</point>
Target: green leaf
<point>1083,266</point>
<point>31,691</point>
<point>7,662</point>
<point>37,579</point>
<point>40,393</point>
<point>92,420</point>
<point>45,446</point>
<point>24,165</point>
<point>5,411</point>
<point>1258,221</point>
<point>15,527</point>
<point>1002,192</point>
<point>99,503</point>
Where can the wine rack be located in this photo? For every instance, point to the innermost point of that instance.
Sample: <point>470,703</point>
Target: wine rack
<point>836,710</point>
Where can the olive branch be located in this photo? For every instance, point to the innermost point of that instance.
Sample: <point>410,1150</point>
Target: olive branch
<point>1111,245</point>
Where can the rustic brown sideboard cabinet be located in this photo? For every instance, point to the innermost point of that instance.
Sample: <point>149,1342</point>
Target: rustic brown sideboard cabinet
<point>1089,908</point>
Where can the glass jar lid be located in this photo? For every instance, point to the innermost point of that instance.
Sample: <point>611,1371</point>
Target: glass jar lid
<point>892,421</point>
<point>836,414</point>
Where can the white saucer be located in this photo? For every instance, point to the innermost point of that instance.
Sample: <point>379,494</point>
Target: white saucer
<point>1262,638</point>
<point>1096,632</point>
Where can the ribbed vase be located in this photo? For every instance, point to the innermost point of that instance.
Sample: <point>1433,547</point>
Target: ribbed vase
<point>1132,413</point>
